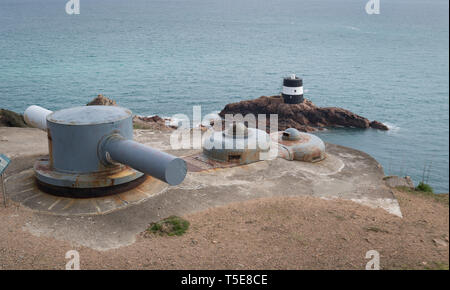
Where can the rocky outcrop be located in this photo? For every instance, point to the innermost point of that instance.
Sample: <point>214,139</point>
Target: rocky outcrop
<point>154,123</point>
<point>305,116</point>
<point>101,100</point>
<point>11,119</point>
<point>139,122</point>
<point>396,181</point>
<point>378,125</point>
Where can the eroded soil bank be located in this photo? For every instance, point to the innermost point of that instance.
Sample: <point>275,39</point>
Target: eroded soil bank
<point>270,233</point>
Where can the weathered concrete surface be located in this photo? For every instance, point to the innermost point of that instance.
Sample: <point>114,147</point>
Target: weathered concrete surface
<point>346,173</point>
<point>23,146</point>
<point>19,142</point>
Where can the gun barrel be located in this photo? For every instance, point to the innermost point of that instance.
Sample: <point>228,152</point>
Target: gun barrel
<point>165,167</point>
<point>36,116</point>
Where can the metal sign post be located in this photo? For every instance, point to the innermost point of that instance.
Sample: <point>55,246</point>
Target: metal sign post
<point>4,162</point>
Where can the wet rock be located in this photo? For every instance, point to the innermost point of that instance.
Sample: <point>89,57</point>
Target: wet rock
<point>378,125</point>
<point>305,116</point>
<point>101,100</point>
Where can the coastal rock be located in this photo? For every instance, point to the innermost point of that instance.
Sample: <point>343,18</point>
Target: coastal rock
<point>396,181</point>
<point>378,125</point>
<point>154,123</point>
<point>11,119</point>
<point>101,100</point>
<point>139,122</point>
<point>305,116</point>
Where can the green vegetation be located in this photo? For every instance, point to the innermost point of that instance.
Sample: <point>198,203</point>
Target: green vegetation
<point>425,266</point>
<point>11,119</point>
<point>441,198</point>
<point>424,187</point>
<point>138,126</point>
<point>437,266</point>
<point>339,217</point>
<point>376,230</point>
<point>171,226</point>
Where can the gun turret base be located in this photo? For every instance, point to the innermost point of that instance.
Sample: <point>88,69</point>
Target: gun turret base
<point>118,179</point>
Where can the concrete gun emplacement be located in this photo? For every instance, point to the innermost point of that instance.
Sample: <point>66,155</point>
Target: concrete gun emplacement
<point>92,152</point>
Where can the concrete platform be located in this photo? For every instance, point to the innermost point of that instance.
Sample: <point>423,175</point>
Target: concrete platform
<point>345,173</point>
<point>22,189</point>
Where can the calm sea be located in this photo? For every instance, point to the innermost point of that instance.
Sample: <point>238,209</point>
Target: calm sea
<point>163,57</point>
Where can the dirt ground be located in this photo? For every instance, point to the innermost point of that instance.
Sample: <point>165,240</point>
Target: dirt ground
<point>270,233</point>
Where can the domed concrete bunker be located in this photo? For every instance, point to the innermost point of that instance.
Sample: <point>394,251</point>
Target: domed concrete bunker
<point>294,145</point>
<point>238,144</point>
<point>241,145</point>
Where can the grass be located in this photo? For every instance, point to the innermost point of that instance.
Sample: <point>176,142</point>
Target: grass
<point>437,266</point>
<point>339,217</point>
<point>171,226</point>
<point>440,198</point>
<point>138,126</point>
<point>427,266</point>
<point>376,230</point>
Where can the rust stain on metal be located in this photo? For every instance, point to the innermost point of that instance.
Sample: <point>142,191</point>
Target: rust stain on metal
<point>127,171</point>
<point>50,147</point>
<point>99,189</point>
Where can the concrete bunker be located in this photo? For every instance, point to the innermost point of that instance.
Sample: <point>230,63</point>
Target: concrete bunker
<point>237,144</point>
<point>295,145</point>
<point>241,145</point>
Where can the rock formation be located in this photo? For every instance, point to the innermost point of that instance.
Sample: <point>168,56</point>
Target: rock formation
<point>305,116</point>
<point>378,125</point>
<point>154,123</point>
<point>101,100</point>
<point>11,119</point>
<point>396,181</point>
<point>139,122</point>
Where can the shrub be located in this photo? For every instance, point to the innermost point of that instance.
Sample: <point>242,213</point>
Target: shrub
<point>424,187</point>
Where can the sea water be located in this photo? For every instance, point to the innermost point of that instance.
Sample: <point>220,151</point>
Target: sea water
<point>163,57</point>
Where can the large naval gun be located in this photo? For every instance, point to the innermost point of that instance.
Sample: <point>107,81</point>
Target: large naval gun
<point>92,152</point>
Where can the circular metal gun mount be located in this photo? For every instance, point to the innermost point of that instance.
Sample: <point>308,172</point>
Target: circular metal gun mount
<point>92,153</point>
